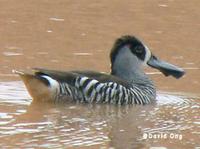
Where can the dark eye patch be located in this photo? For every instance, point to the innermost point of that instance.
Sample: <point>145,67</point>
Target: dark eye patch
<point>139,51</point>
<point>131,43</point>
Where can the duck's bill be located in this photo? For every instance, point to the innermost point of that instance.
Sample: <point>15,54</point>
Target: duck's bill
<point>166,68</point>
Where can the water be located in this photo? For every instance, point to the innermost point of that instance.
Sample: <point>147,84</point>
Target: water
<point>70,35</point>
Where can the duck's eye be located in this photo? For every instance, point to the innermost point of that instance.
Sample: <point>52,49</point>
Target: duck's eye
<point>139,50</point>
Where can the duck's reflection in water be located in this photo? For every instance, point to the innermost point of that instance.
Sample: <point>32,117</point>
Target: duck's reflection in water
<point>83,124</point>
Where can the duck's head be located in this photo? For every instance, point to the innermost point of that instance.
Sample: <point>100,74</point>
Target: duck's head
<point>129,54</point>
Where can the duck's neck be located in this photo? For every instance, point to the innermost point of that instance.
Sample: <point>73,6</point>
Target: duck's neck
<point>136,75</point>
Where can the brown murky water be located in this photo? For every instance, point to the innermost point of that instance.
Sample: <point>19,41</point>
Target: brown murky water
<point>66,35</point>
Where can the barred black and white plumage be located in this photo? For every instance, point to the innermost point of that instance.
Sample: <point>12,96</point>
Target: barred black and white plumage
<point>127,83</point>
<point>91,90</point>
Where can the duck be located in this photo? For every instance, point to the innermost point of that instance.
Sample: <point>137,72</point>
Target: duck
<point>127,83</point>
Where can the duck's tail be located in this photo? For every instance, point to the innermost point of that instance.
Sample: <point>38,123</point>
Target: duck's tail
<point>39,87</point>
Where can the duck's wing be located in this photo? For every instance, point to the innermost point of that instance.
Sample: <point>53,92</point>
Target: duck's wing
<point>87,86</point>
<point>70,76</point>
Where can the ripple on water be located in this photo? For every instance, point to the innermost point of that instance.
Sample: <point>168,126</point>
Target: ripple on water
<point>13,51</point>
<point>82,54</point>
<point>168,98</point>
<point>7,53</point>
<point>56,19</point>
<point>14,92</point>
